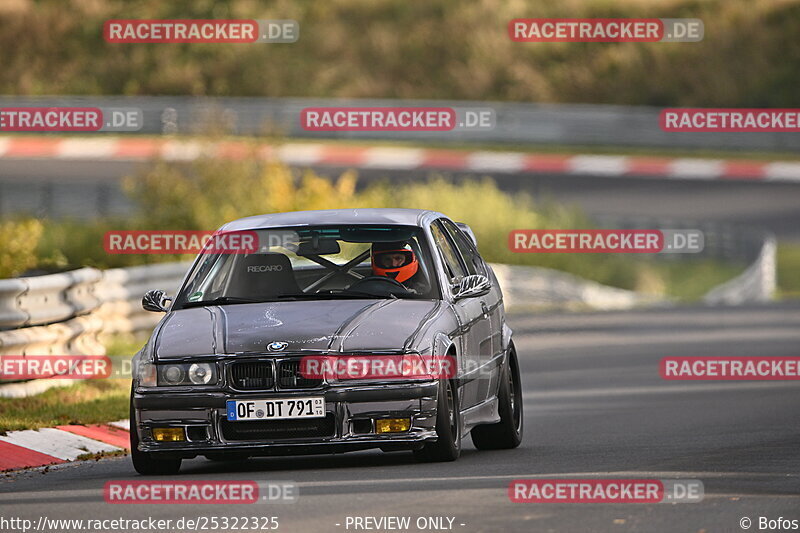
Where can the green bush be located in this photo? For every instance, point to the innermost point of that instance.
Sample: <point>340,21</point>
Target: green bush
<point>206,193</point>
<point>448,49</point>
<point>68,244</point>
<point>18,252</point>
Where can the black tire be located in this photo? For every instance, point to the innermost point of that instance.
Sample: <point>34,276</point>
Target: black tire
<point>507,433</point>
<point>448,428</point>
<point>144,463</point>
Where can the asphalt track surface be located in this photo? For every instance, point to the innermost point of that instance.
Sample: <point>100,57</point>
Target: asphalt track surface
<point>595,407</point>
<point>73,188</point>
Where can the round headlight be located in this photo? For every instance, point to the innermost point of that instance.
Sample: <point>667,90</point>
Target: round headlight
<point>173,375</point>
<point>200,373</point>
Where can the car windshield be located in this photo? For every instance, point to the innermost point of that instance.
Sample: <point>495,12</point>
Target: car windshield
<point>314,263</point>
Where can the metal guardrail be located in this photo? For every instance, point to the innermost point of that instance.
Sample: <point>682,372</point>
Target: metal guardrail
<point>756,284</point>
<point>532,287</point>
<point>46,299</point>
<point>10,313</point>
<point>516,123</point>
<point>63,314</point>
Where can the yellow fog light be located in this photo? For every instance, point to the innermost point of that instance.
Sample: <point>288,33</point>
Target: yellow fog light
<point>169,434</point>
<point>392,425</point>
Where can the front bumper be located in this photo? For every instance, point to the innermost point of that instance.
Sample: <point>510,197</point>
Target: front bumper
<point>203,415</point>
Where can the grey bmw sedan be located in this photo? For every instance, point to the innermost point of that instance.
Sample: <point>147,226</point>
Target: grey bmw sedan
<point>331,331</point>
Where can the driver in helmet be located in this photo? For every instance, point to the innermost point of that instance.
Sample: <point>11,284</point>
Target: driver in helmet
<point>397,261</point>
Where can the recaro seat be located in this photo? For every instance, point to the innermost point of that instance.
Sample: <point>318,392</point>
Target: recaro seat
<point>263,276</point>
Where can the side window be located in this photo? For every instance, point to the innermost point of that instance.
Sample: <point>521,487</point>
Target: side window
<point>468,253</point>
<point>450,255</point>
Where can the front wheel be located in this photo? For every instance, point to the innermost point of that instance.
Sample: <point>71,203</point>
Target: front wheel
<point>507,433</point>
<point>143,462</point>
<point>448,428</point>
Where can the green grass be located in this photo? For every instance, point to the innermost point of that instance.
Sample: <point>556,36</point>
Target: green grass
<point>689,281</point>
<point>87,402</point>
<point>124,345</point>
<point>788,271</point>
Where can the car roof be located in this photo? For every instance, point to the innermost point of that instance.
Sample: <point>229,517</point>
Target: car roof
<point>404,217</point>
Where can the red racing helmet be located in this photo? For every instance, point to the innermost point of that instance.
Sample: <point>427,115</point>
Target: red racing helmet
<point>394,260</point>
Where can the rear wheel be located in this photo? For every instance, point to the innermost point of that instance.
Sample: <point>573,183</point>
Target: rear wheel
<point>508,432</point>
<point>448,428</point>
<point>144,463</point>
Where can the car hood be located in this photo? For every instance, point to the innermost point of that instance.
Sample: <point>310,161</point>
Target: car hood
<point>320,325</point>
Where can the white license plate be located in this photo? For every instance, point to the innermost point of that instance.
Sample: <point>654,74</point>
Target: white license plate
<point>276,409</point>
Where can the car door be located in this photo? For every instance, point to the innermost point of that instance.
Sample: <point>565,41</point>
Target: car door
<point>469,313</point>
<point>488,329</point>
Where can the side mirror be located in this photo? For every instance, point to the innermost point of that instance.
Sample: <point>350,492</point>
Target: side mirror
<point>472,286</point>
<point>155,300</point>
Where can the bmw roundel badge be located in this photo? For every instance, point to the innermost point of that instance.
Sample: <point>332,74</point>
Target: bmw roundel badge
<point>277,346</point>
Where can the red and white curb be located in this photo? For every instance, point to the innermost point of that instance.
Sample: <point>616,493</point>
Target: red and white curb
<point>49,446</point>
<point>401,158</point>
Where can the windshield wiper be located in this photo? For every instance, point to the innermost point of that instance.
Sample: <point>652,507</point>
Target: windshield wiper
<point>317,296</point>
<point>348,292</point>
<point>222,300</point>
<point>228,300</point>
